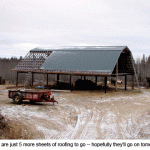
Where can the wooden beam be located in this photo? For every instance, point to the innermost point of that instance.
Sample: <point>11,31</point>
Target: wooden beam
<point>17,79</point>
<point>133,81</point>
<point>43,81</point>
<point>32,78</point>
<point>57,79</point>
<point>116,87</point>
<point>136,76</point>
<point>71,82</point>
<point>96,80</point>
<point>47,78</point>
<point>121,74</point>
<point>68,73</point>
<point>105,83</point>
<point>125,82</point>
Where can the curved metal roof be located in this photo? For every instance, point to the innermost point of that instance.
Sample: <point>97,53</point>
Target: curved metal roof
<point>100,60</point>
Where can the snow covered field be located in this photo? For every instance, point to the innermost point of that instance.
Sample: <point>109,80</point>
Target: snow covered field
<point>85,115</point>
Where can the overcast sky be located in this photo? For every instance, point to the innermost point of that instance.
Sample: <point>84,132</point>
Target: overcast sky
<point>26,24</point>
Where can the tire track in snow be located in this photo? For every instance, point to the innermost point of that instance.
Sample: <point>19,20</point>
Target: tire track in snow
<point>82,119</point>
<point>108,125</point>
<point>86,126</point>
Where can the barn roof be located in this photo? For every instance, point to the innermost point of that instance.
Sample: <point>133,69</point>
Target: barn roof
<point>79,48</point>
<point>96,60</point>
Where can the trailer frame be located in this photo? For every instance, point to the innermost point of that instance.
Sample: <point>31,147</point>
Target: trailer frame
<point>32,95</point>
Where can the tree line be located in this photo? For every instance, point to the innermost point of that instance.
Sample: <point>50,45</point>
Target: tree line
<point>143,68</point>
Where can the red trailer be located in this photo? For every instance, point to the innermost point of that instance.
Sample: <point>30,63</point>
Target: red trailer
<point>32,95</point>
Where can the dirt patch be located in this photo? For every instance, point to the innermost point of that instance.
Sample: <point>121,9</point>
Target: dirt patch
<point>82,115</point>
<point>16,130</point>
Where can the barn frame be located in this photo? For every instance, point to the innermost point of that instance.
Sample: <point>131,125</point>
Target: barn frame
<point>104,61</point>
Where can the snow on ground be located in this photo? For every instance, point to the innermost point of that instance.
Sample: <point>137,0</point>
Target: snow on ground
<point>86,115</point>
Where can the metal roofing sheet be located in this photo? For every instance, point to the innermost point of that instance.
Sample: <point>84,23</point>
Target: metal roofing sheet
<point>83,60</point>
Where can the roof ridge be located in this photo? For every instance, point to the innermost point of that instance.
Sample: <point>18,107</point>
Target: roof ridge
<point>69,48</point>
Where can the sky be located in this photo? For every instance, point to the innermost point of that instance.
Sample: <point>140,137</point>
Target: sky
<point>27,24</point>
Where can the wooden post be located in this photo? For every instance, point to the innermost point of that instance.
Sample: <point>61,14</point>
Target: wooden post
<point>84,77</point>
<point>47,78</point>
<point>17,79</point>
<point>116,88</point>
<point>105,83</point>
<point>133,81</point>
<point>43,82</point>
<point>96,80</point>
<point>57,79</point>
<point>32,78</point>
<point>136,76</point>
<point>125,82</point>
<point>71,82</point>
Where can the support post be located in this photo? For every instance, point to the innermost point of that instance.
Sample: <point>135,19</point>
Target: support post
<point>32,78</point>
<point>17,79</point>
<point>96,80</point>
<point>43,81</point>
<point>125,82</point>
<point>47,78</point>
<point>57,79</point>
<point>116,87</point>
<point>105,83</point>
<point>136,76</point>
<point>71,82</point>
<point>84,77</point>
<point>133,81</point>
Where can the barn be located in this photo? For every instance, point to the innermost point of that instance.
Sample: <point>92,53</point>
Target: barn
<point>98,61</point>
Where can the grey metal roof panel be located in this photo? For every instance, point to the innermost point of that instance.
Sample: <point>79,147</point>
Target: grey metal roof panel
<point>83,60</point>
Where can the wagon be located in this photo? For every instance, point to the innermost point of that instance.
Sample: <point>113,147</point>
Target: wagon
<point>32,95</point>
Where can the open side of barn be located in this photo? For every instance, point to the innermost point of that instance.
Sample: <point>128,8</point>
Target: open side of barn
<point>98,61</point>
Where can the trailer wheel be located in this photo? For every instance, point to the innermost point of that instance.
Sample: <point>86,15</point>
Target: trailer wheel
<point>17,98</point>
